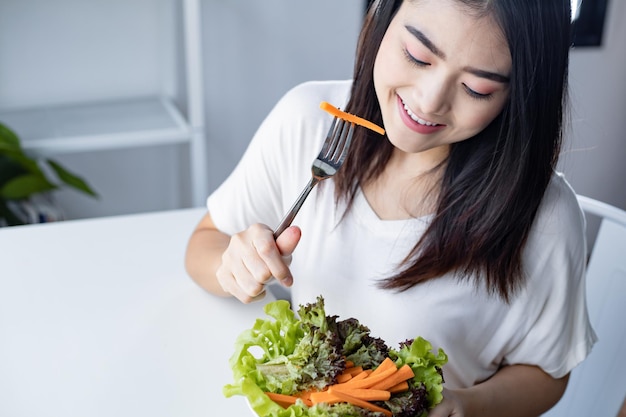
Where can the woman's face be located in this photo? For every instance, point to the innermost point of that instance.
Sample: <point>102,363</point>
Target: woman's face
<point>441,76</point>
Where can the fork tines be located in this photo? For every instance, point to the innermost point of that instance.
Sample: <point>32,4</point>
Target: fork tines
<point>340,132</point>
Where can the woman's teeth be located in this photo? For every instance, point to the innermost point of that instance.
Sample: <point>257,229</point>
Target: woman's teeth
<point>417,119</point>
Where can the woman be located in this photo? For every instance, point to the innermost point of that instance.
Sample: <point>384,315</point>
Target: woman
<point>454,226</point>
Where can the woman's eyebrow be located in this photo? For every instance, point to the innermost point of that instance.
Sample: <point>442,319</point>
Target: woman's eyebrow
<point>493,76</point>
<point>420,36</point>
<point>425,41</point>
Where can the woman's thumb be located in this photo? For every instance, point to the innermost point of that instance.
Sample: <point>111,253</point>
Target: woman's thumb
<point>288,240</point>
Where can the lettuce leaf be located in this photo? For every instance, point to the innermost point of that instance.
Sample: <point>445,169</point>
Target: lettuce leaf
<point>286,354</point>
<point>427,366</point>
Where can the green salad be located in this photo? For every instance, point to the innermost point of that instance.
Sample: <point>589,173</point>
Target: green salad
<point>289,354</point>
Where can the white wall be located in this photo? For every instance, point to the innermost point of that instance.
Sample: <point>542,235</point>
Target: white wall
<point>64,51</point>
<point>256,50</point>
<point>59,51</point>
<point>596,150</point>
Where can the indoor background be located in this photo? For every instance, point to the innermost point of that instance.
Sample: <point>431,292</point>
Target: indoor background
<point>54,53</point>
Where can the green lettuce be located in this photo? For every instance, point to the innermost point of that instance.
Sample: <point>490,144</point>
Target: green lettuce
<point>288,354</point>
<point>427,366</point>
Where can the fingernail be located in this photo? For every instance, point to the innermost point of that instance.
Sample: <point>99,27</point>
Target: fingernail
<point>287,282</point>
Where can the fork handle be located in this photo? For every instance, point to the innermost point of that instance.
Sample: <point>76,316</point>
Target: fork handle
<point>291,214</point>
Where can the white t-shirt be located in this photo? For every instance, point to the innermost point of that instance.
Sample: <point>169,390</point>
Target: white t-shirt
<point>546,324</point>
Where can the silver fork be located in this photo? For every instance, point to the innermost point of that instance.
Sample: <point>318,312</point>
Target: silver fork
<point>326,164</point>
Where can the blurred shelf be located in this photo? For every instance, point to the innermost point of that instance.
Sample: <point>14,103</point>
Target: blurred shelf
<point>125,123</point>
<point>87,127</point>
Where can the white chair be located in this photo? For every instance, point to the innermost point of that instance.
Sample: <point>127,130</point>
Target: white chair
<point>597,387</point>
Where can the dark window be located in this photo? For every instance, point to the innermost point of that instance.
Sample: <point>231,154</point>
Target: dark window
<point>589,24</point>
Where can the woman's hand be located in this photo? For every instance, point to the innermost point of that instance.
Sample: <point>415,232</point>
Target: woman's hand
<point>450,406</point>
<point>242,264</point>
<point>253,258</point>
<point>513,391</point>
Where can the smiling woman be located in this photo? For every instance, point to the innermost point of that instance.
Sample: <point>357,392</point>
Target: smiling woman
<point>588,17</point>
<point>454,225</point>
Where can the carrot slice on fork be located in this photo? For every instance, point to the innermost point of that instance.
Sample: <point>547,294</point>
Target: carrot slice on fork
<point>351,118</point>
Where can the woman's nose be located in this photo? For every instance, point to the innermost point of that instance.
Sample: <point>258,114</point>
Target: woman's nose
<point>433,95</point>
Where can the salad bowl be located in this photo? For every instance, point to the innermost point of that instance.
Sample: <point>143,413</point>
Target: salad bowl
<point>314,365</point>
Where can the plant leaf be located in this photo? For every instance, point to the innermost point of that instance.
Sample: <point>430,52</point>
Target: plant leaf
<point>71,179</point>
<point>26,162</point>
<point>9,142</point>
<point>9,169</point>
<point>25,185</point>
<point>10,147</point>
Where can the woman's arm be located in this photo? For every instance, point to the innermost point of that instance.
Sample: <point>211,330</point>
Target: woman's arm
<point>514,391</point>
<point>239,265</point>
<point>204,255</point>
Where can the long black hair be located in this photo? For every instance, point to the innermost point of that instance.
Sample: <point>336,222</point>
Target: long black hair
<point>492,184</point>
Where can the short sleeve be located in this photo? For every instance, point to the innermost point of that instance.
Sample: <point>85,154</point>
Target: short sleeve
<point>277,163</point>
<point>555,324</point>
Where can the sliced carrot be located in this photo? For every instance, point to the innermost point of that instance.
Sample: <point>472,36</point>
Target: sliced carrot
<point>401,387</point>
<point>370,380</point>
<point>305,395</point>
<point>384,365</point>
<point>366,394</point>
<point>359,376</point>
<point>324,397</point>
<point>349,364</point>
<point>351,118</point>
<point>358,402</point>
<point>356,386</point>
<point>354,370</point>
<point>402,374</point>
<point>345,377</point>
<point>283,400</point>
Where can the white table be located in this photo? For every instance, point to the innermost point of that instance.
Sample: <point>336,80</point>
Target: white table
<point>98,318</point>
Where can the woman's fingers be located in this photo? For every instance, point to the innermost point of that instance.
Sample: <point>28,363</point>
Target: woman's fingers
<point>272,258</point>
<point>253,258</point>
<point>288,240</point>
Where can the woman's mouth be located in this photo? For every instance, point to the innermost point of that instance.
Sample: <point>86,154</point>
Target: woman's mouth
<point>414,122</point>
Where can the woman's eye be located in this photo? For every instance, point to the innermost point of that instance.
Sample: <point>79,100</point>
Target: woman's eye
<point>475,94</point>
<point>414,61</point>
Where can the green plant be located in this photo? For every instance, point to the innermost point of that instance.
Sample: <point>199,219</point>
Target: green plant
<point>23,176</point>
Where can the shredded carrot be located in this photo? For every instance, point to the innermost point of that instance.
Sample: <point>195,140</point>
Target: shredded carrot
<point>387,363</point>
<point>345,377</point>
<point>366,394</point>
<point>357,386</point>
<point>402,374</point>
<point>305,396</point>
<point>360,376</point>
<point>324,397</point>
<point>358,402</point>
<point>283,400</point>
<point>370,380</point>
<point>401,387</point>
<point>351,118</point>
<point>353,370</point>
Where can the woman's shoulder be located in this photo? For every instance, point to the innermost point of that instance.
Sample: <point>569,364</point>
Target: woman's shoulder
<point>560,201</point>
<point>304,99</point>
<point>560,217</point>
<point>297,113</point>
